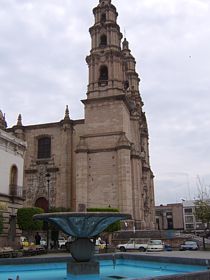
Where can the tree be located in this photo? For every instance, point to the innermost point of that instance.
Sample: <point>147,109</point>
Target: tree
<point>25,219</point>
<point>202,210</point>
<point>202,203</point>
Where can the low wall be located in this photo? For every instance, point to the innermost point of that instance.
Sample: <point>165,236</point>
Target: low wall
<point>190,276</point>
<point>152,234</point>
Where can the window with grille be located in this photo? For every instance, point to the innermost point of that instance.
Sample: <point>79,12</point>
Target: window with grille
<point>188,210</point>
<point>44,147</point>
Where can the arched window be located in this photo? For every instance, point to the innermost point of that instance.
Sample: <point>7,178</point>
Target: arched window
<point>103,41</point>
<point>44,147</point>
<point>103,73</point>
<point>13,180</point>
<point>103,17</point>
<point>103,76</point>
<point>13,175</point>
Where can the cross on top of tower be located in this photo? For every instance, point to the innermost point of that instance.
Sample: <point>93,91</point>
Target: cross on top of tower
<point>105,2</point>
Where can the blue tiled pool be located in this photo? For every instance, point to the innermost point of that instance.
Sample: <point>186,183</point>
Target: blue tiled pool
<point>123,270</point>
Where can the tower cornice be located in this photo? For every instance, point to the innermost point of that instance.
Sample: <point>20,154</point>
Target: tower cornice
<point>108,24</point>
<point>119,97</point>
<point>105,7</point>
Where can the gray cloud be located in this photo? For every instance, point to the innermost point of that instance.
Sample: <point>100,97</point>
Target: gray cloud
<point>42,68</point>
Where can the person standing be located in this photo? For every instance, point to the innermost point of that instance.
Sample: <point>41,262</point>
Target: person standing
<point>37,239</point>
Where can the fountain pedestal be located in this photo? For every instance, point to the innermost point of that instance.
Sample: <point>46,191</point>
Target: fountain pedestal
<point>82,251</point>
<point>75,269</point>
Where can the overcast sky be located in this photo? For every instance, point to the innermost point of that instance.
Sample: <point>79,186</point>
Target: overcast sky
<point>43,45</point>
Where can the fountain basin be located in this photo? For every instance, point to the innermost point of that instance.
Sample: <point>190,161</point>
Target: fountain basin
<point>82,224</point>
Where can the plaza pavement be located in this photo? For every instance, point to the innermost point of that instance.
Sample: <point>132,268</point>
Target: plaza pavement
<point>182,254</point>
<point>178,254</point>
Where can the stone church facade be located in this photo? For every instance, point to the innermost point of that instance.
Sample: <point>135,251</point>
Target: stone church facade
<point>103,159</point>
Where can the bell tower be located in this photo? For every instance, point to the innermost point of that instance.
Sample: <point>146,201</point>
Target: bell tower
<point>105,59</point>
<point>110,168</point>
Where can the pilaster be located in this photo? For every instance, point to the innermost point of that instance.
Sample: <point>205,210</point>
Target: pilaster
<point>124,175</point>
<point>81,176</point>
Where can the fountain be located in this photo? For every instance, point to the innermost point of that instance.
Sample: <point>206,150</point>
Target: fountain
<point>84,226</point>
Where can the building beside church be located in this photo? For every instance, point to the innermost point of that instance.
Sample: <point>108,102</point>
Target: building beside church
<point>12,152</point>
<point>103,159</point>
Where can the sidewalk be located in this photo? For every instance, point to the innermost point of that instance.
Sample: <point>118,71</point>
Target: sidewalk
<point>182,254</point>
<point>178,254</point>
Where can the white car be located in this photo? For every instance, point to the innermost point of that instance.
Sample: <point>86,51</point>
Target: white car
<point>133,244</point>
<point>43,242</point>
<point>155,246</point>
<point>189,245</point>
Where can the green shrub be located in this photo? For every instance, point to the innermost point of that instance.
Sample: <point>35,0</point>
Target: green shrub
<point>113,227</point>
<point>25,218</point>
<point>59,209</point>
<point>108,209</point>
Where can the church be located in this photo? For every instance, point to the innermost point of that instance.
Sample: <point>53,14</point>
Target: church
<point>102,160</point>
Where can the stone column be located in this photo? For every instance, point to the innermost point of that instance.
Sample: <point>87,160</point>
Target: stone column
<point>124,175</point>
<point>81,176</point>
<point>136,185</point>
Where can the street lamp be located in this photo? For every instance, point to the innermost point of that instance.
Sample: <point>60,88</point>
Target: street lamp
<point>48,207</point>
<point>48,190</point>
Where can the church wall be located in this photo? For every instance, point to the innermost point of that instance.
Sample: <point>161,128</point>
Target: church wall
<point>107,116</point>
<point>57,165</point>
<point>106,140</point>
<point>102,180</point>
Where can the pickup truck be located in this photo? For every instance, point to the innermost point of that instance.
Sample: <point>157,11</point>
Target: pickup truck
<point>133,244</point>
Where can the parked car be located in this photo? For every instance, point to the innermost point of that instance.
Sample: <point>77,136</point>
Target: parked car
<point>168,247</point>
<point>43,242</point>
<point>133,244</point>
<point>189,245</point>
<point>155,246</point>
